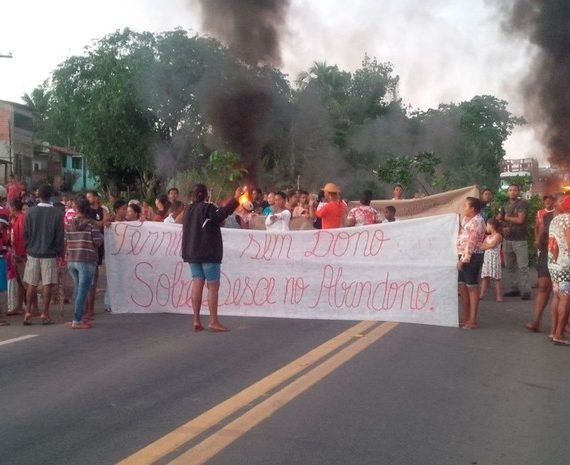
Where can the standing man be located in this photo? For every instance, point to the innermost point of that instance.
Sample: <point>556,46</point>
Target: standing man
<point>398,192</point>
<point>279,218</point>
<point>173,194</point>
<point>43,237</point>
<point>486,204</point>
<point>202,249</point>
<point>514,216</point>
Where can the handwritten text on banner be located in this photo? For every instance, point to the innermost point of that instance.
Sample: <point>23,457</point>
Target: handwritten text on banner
<point>402,271</point>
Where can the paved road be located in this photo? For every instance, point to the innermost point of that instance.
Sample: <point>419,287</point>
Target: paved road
<point>411,395</point>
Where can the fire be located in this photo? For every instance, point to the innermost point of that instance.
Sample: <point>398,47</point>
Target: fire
<point>245,197</point>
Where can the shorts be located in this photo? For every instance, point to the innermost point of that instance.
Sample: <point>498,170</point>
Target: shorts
<point>208,271</point>
<point>469,273</point>
<point>42,270</point>
<point>561,287</point>
<point>542,264</point>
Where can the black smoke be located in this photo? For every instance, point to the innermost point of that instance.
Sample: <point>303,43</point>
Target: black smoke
<point>251,29</point>
<point>546,87</point>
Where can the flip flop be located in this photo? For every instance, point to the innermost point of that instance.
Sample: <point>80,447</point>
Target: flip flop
<point>561,342</point>
<point>47,321</point>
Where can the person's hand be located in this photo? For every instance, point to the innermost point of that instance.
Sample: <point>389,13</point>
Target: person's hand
<point>459,265</point>
<point>239,191</point>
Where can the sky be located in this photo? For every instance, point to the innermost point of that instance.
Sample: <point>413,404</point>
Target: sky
<point>443,50</point>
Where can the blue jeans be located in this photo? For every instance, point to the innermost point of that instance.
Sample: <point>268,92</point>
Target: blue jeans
<point>83,274</point>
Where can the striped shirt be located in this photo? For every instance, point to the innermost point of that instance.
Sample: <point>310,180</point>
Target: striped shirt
<point>83,238</point>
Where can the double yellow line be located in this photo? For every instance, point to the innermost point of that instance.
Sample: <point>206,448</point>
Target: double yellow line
<point>347,345</point>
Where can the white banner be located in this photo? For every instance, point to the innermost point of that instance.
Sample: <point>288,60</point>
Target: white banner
<point>402,271</point>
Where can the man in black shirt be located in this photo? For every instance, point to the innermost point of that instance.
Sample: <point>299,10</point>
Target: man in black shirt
<point>514,216</point>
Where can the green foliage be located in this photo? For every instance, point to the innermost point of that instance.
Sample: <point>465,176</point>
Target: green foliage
<point>139,107</point>
<point>223,171</point>
<point>409,171</point>
<point>524,182</point>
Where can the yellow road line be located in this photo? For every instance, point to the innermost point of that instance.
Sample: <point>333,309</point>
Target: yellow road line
<point>181,435</point>
<point>219,440</point>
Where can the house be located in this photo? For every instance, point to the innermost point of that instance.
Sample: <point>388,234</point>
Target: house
<point>16,141</point>
<point>63,167</point>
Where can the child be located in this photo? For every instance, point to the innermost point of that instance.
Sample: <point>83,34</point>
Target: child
<point>492,262</point>
<point>390,213</point>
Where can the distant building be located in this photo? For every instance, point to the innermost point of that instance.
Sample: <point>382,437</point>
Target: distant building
<point>521,167</point>
<point>16,141</point>
<point>62,167</point>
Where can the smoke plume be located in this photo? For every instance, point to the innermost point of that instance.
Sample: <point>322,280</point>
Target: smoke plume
<point>251,30</point>
<point>546,88</point>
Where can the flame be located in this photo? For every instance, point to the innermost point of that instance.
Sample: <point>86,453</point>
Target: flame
<point>245,197</point>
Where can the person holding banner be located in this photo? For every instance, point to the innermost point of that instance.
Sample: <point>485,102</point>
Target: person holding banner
<point>202,249</point>
<point>469,241</point>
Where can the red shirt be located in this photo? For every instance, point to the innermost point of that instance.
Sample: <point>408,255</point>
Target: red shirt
<point>12,191</point>
<point>332,214</point>
<point>18,244</point>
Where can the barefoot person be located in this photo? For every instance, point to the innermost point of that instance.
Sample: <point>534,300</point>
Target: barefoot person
<point>469,241</point>
<point>492,261</point>
<point>559,268</point>
<point>202,248</point>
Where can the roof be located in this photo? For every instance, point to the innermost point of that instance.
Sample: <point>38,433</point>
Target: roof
<point>65,150</point>
<point>20,106</point>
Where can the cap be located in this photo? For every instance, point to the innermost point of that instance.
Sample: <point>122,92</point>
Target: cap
<point>331,187</point>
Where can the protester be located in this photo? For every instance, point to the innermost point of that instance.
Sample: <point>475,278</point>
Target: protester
<point>83,241</point>
<point>492,261</point>
<point>44,236</point>
<point>134,212</point>
<point>559,268</point>
<point>173,194</point>
<point>70,212</point>
<point>270,202</point>
<point>257,200</point>
<point>398,192</point>
<point>17,223</point>
<point>515,247</point>
<point>487,204</point>
<point>547,207</point>
<point>544,282</point>
<point>390,213</point>
<point>4,252</point>
<point>469,241</point>
<point>175,209</point>
<point>332,212</point>
<point>202,248</point>
<point>280,217</point>
<point>100,214</point>
<point>162,205</point>
<point>364,214</point>
<point>13,189</point>
<point>120,210</point>
<point>147,213</point>
<point>302,207</point>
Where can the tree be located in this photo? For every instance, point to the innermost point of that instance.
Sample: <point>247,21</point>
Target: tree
<point>421,169</point>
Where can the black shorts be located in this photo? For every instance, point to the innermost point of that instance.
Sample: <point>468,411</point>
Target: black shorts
<point>470,272</point>
<point>542,263</point>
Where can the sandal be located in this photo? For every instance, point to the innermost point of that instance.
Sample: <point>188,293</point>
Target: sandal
<point>47,321</point>
<point>561,342</point>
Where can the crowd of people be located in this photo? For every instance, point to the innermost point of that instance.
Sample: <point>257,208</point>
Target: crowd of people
<point>43,237</point>
<point>489,239</point>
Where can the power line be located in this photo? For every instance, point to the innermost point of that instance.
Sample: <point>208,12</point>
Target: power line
<point>7,56</point>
